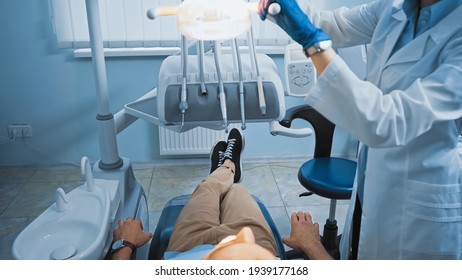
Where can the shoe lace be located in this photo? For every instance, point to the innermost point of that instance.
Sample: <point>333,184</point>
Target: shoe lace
<point>221,158</point>
<point>229,149</point>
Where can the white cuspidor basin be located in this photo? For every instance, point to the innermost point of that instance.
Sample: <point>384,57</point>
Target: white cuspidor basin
<point>78,232</point>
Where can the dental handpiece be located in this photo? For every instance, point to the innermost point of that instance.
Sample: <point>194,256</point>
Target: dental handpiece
<point>221,94</point>
<point>183,106</point>
<point>201,67</point>
<point>241,84</point>
<point>261,94</point>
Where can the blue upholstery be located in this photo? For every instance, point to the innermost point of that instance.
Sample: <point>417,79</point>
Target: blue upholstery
<point>169,215</point>
<point>165,225</point>
<point>328,177</point>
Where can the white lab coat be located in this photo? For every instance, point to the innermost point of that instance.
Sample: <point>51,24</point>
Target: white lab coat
<point>409,112</point>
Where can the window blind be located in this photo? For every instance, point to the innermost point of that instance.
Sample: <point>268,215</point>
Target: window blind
<point>124,24</point>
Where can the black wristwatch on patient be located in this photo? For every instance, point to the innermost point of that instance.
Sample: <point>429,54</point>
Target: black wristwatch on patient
<point>121,243</point>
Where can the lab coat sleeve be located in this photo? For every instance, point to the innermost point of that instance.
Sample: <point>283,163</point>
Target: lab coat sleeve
<point>379,119</point>
<point>348,26</point>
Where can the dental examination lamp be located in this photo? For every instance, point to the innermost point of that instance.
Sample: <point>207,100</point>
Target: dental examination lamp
<point>212,19</point>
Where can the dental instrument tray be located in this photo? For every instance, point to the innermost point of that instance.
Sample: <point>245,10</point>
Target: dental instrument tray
<point>161,105</point>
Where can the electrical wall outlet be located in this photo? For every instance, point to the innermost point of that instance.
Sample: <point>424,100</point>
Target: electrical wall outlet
<point>19,130</point>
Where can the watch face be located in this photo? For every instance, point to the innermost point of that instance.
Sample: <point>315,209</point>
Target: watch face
<point>324,45</point>
<point>117,244</point>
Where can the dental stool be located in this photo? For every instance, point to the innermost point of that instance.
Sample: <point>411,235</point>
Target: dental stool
<point>324,175</point>
<point>169,215</point>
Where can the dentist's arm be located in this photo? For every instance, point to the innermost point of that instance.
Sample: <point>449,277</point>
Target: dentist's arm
<point>298,26</point>
<point>322,59</point>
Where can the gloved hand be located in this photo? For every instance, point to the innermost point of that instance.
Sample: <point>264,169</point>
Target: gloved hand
<point>294,21</point>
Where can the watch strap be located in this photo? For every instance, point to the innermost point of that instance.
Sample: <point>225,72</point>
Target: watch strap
<point>310,51</point>
<point>130,244</point>
<point>318,47</point>
<point>125,243</point>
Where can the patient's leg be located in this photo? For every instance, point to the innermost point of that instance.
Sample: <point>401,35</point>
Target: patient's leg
<point>200,217</point>
<point>238,210</point>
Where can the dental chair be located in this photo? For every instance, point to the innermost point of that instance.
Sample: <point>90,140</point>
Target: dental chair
<point>169,215</point>
<point>324,175</point>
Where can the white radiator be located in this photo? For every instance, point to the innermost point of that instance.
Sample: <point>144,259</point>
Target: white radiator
<point>197,141</point>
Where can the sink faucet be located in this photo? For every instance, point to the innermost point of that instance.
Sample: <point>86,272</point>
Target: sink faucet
<point>86,170</point>
<point>61,201</point>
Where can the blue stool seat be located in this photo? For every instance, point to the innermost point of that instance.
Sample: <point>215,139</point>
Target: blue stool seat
<point>328,177</point>
<point>170,214</point>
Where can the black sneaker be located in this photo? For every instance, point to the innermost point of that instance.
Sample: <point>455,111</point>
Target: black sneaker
<point>234,148</point>
<point>217,155</point>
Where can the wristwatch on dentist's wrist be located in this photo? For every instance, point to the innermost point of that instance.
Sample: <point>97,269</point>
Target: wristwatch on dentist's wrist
<point>318,47</point>
<point>121,243</point>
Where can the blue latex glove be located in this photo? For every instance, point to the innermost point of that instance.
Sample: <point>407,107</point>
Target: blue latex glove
<point>294,21</point>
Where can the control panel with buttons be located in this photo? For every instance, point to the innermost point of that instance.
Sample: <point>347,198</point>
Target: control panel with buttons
<point>300,74</point>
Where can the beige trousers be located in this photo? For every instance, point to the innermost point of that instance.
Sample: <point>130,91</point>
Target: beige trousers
<point>219,208</point>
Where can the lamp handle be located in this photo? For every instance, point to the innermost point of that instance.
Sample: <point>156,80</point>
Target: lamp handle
<point>273,9</point>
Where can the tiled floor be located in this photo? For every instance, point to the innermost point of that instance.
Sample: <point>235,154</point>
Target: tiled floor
<point>27,192</point>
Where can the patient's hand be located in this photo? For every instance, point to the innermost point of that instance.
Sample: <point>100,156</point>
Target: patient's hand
<point>130,230</point>
<point>304,235</point>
